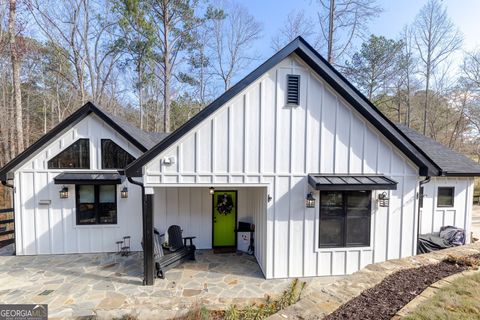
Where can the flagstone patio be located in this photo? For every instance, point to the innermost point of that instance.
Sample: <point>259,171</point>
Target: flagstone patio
<point>108,285</point>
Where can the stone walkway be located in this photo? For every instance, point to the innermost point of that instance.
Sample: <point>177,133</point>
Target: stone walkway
<point>108,285</point>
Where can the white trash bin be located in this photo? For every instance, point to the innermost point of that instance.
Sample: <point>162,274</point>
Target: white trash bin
<point>243,240</point>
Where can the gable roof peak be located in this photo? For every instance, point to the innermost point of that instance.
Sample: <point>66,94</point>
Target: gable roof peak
<point>139,138</point>
<point>334,78</point>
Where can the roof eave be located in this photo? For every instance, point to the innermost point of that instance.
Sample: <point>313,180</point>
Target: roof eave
<point>461,174</point>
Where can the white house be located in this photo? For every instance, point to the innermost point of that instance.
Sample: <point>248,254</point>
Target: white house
<point>330,183</point>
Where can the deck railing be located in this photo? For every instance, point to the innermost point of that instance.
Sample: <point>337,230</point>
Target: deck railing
<point>7,227</point>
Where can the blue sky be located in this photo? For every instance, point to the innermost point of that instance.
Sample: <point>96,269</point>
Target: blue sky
<point>397,13</point>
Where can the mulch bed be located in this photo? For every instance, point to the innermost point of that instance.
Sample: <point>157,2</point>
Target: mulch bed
<point>395,291</point>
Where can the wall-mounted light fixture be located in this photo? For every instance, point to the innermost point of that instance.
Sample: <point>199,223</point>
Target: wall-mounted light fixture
<point>64,193</point>
<point>124,193</point>
<point>383,200</point>
<point>211,190</point>
<point>310,200</point>
<point>269,198</point>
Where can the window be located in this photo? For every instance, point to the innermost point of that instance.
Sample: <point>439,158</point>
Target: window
<point>96,204</point>
<point>293,89</point>
<point>445,196</point>
<point>75,156</point>
<point>113,156</point>
<point>345,218</point>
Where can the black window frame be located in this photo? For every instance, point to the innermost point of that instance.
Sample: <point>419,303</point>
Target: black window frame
<point>50,161</point>
<point>97,205</point>
<point>103,160</point>
<point>453,197</point>
<point>345,221</point>
<point>295,102</point>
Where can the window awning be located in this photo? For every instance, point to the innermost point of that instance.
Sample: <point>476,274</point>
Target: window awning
<point>351,182</point>
<point>88,178</point>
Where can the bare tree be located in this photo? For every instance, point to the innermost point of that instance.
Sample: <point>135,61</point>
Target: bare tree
<point>471,68</point>
<point>296,24</point>
<point>408,71</point>
<point>436,38</point>
<point>84,33</point>
<point>341,21</point>
<point>16,65</point>
<point>471,80</point>
<point>5,72</point>
<point>233,37</point>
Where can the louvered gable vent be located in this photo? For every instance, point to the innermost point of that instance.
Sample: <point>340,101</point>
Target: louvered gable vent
<point>293,89</point>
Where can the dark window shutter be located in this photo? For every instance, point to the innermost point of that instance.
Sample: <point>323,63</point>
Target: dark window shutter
<point>293,89</point>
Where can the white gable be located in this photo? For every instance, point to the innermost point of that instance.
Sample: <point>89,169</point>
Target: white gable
<point>91,127</point>
<point>256,134</point>
<point>256,139</point>
<point>46,224</point>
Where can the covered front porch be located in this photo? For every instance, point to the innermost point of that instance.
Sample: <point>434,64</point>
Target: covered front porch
<point>109,285</point>
<point>197,210</point>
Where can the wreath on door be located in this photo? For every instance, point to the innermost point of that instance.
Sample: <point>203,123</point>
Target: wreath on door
<point>224,204</point>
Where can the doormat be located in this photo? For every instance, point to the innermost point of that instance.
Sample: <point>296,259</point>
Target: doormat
<point>225,250</point>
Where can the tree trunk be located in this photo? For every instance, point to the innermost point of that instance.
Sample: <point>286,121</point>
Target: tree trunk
<point>11,130</point>
<point>168,70</point>
<point>408,121</point>
<point>15,76</point>
<point>330,32</point>
<point>5,122</point>
<point>425,106</point>
<point>140,93</point>
<point>27,121</point>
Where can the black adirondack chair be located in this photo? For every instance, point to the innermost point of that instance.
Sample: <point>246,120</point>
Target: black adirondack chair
<point>177,252</point>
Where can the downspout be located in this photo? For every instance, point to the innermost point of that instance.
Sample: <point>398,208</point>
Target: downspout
<point>147,258</point>
<point>420,184</point>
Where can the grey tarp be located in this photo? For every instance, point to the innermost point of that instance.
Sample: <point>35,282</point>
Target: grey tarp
<point>447,237</point>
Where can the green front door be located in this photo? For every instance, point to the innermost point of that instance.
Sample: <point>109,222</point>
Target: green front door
<point>224,218</point>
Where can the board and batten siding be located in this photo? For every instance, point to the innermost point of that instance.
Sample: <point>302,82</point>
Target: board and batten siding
<point>255,139</point>
<point>460,215</point>
<point>51,228</point>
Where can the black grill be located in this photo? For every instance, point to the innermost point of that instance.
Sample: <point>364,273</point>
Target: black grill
<point>293,89</point>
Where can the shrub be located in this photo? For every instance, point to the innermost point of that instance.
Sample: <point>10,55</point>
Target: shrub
<point>251,312</point>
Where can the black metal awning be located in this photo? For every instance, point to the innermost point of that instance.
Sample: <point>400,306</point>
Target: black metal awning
<point>351,182</point>
<point>88,178</point>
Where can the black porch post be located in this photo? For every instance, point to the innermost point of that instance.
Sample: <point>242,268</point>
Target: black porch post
<point>148,261</point>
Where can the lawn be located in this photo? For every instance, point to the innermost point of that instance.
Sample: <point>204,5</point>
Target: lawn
<point>461,300</point>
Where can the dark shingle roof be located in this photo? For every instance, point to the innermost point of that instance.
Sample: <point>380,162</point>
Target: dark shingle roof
<point>451,162</point>
<point>147,139</point>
